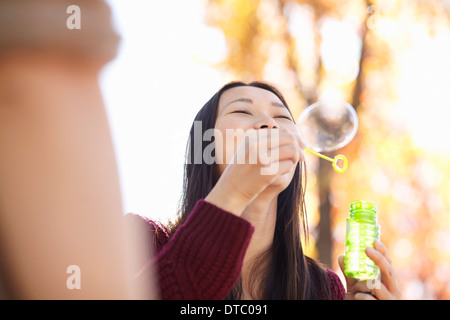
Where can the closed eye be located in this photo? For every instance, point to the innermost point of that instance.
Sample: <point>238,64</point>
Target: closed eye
<point>241,111</point>
<point>284,117</point>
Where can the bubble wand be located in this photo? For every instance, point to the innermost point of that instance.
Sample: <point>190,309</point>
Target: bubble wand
<point>340,162</point>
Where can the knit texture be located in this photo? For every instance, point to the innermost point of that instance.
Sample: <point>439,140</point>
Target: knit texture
<point>336,286</point>
<point>204,257</point>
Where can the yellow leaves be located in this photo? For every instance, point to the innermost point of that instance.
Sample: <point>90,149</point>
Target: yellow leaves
<point>239,22</point>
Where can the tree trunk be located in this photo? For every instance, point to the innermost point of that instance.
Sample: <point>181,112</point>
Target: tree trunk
<point>324,241</point>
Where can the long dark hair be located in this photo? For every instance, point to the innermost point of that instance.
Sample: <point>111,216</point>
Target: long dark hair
<point>286,272</point>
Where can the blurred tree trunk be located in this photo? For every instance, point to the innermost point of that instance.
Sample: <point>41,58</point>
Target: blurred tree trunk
<point>325,241</point>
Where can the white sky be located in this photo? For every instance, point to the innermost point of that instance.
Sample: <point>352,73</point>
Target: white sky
<point>152,91</point>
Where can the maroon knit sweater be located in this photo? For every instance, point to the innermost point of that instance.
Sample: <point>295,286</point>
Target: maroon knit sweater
<point>204,257</point>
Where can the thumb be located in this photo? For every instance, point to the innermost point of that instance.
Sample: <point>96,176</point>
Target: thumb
<point>350,281</point>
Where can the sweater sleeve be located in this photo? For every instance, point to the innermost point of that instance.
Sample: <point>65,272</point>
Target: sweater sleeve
<point>336,286</point>
<point>203,258</point>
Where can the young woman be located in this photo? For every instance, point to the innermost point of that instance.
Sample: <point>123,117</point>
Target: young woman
<point>242,215</point>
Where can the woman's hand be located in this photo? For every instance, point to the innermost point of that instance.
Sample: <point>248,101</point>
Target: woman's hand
<point>386,289</point>
<point>267,158</point>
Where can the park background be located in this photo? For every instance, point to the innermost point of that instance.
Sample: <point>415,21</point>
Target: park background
<point>389,59</point>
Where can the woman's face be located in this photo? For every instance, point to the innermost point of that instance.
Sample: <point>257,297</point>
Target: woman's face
<point>243,108</point>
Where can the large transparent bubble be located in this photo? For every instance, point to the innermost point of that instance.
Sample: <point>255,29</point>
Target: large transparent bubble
<point>327,125</point>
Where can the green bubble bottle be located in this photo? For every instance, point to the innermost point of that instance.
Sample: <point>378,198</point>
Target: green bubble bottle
<point>362,231</point>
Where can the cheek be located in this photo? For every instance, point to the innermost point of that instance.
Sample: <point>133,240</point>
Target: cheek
<point>290,126</point>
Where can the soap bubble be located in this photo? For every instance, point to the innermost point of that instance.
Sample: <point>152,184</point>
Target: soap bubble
<point>327,125</point>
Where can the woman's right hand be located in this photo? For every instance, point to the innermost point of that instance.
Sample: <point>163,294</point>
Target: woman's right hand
<point>265,157</point>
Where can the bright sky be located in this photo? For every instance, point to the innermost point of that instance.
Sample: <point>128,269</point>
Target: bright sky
<point>153,90</point>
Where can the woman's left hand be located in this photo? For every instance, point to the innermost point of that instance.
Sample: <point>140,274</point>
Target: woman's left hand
<point>386,289</point>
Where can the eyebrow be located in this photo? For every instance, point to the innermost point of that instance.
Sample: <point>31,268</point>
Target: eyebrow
<point>247,100</point>
<point>240,100</point>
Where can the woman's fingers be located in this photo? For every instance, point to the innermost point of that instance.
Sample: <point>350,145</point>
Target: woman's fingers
<point>387,273</point>
<point>350,282</point>
<point>381,258</point>
<point>371,289</point>
<point>266,146</point>
<point>263,158</point>
<point>364,296</point>
<point>286,152</point>
<point>277,137</point>
<point>378,245</point>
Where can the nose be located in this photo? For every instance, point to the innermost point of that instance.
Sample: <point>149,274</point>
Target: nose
<point>266,123</point>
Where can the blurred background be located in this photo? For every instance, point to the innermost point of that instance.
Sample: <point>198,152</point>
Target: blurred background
<point>389,59</point>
